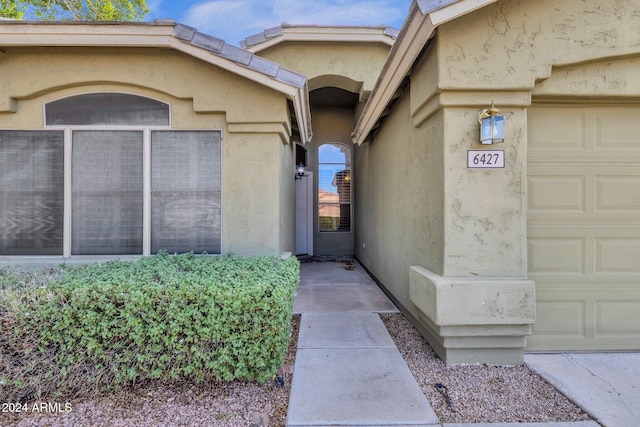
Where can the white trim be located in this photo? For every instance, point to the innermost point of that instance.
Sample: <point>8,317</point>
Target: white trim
<point>67,202</point>
<point>309,175</point>
<point>109,127</point>
<point>222,242</point>
<point>456,10</point>
<point>146,192</point>
<point>307,181</point>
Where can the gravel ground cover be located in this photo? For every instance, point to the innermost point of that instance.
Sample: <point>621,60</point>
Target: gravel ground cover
<point>149,405</point>
<point>477,393</point>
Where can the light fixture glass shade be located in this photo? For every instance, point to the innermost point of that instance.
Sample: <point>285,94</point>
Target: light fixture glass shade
<point>492,130</point>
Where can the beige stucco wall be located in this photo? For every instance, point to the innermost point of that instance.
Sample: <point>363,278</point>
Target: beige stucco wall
<point>349,66</point>
<point>608,78</point>
<point>29,72</point>
<point>257,163</point>
<point>485,210</point>
<point>399,200</point>
<point>512,43</point>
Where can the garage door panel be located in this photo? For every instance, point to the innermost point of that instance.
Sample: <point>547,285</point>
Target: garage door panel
<point>612,318</point>
<point>583,226</point>
<point>589,188</point>
<point>615,128</point>
<point>564,130</point>
<point>608,251</point>
<point>617,193</point>
<point>609,321</point>
<point>557,193</point>
<point>619,256</point>
<point>557,255</point>
<point>560,318</point>
<point>571,133</point>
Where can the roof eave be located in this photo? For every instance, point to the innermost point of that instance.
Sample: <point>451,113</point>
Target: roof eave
<point>167,34</point>
<point>419,27</point>
<point>319,33</point>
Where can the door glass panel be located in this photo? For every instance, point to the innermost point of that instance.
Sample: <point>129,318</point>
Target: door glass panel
<point>107,193</point>
<point>185,191</point>
<point>31,192</point>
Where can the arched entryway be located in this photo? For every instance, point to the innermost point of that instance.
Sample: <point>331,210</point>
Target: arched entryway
<point>329,166</point>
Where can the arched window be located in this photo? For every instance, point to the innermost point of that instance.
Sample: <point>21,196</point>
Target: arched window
<point>334,187</point>
<point>108,109</point>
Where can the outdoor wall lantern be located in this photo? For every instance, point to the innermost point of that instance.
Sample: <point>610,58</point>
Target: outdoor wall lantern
<point>491,125</point>
<point>299,171</point>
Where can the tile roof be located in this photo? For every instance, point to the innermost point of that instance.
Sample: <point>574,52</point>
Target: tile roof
<point>428,6</point>
<point>240,56</point>
<point>345,33</point>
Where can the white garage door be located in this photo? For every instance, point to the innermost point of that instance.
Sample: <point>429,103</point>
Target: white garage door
<point>583,226</point>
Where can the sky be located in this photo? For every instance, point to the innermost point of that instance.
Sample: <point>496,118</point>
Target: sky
<point>234,20</point>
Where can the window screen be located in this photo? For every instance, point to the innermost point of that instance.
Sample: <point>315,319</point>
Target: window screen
<point>108,196</point>
<point>31,192</point>
<point>107,193</point>
<point>107,109</point>
<point>334,187</point>
<point>185,191</point>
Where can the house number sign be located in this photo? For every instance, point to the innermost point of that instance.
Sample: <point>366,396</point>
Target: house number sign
<point>485,159</point>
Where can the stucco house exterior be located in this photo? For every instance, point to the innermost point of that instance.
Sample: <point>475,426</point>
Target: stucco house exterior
<point>67,86</point>
<point>120,140</point>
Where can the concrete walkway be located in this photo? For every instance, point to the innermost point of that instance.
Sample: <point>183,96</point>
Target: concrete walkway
<point>604,385</point>
<point>348,371</point>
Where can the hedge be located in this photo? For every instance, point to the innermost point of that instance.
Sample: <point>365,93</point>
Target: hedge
<point>180,317</point>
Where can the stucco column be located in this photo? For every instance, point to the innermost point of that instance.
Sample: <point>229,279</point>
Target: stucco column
<point>485,208</point>
<point>481,307</point>
<point>251,194</point>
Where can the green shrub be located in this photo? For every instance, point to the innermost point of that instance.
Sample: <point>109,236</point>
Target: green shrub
<point>182,317</point>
